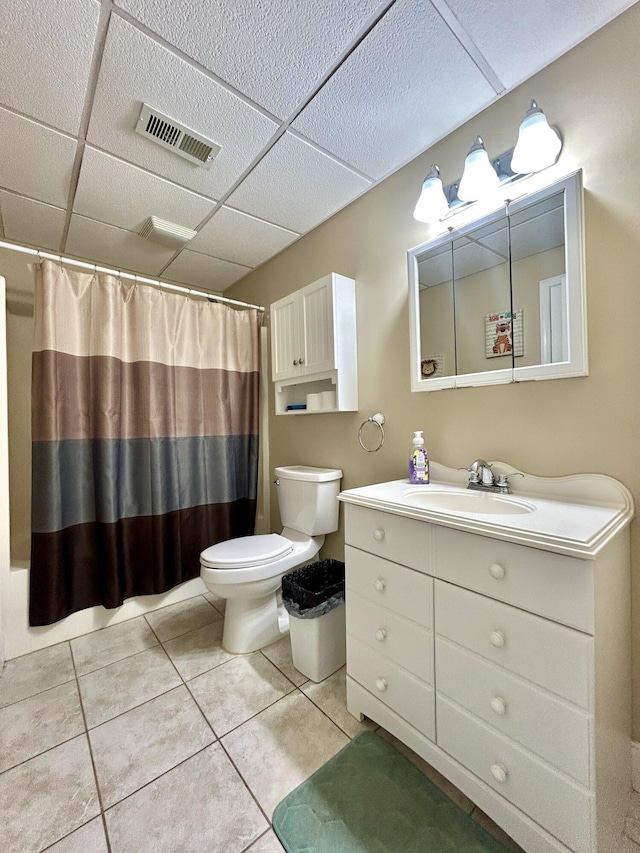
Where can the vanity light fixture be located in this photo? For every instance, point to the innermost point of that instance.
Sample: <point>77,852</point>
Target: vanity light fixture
<point>538,144</point>
<point>479,177</point>
<point>432,204</point>
<point>537,148</point>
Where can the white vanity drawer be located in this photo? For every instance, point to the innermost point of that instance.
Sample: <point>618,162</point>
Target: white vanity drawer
<point>551,799</point>
<point>555,586</point>
<point>409,697</point>
<point>393,537</point>
<point>557,658</point>
<point>551,728</point>
<point>408,592</point>
<point>391,635</point>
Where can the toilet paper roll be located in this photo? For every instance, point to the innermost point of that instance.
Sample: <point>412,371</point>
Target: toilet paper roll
<point>328,399</point>
<point>314,402</point>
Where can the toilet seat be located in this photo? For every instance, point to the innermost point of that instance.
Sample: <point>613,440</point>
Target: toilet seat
<point>246,551</point>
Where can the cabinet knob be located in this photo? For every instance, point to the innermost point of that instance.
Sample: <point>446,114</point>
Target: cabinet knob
<point>378,534</point>
<point>381,684</point>
<point>496,571</point>
<point>499,773</point>
<point>295,362</point>
<point>497,639</point>
<point>498,706</point>
<point>381,635</point>
<point>379,585</point>
<point>301,361</point>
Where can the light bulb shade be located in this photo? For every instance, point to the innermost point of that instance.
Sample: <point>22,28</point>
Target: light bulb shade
<point>479,177</point>
<point>432,204</point>
<point>538,145</point>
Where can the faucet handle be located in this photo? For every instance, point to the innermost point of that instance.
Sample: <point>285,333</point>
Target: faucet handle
<point>502,481</point>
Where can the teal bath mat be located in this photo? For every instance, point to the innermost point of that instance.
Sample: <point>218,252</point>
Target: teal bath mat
<point>371,799</point>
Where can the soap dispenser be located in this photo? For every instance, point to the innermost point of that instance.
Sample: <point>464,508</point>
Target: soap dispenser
<point>418,461</point>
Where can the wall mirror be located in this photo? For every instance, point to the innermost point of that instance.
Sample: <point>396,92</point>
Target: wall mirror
<point>502,299</point>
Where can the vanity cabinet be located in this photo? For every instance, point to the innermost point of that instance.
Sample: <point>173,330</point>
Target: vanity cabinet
<point>313,344</point>
<point>503,665</point>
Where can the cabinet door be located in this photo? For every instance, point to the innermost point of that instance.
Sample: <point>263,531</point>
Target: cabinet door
<point>286,347</point>
<point>316,308</point>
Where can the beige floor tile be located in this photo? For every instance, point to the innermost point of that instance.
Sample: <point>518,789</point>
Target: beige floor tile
<point>144,743</point>
<point>180,618</point>
<point>267,844</point>
<point>218,602</point>
<point>200,805</point>
<point>38,723</point>
<point>279,653</point>
<point>330,696</point>
<point>90,838</point>
<point>236,690</point>
<point>122,686</point>
<point>47,797</point>
<point>35,672</point>
<point>111,644</point>
<point>198,651</point>
<point>282,746</point>
<point>460,799</point>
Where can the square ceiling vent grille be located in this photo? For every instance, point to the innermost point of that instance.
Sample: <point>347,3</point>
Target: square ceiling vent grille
<point>176,137</point>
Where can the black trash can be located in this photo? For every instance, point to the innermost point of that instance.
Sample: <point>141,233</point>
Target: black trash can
<point>313,596</point>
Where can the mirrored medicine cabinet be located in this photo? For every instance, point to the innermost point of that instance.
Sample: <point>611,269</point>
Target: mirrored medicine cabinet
<point>502,299</point>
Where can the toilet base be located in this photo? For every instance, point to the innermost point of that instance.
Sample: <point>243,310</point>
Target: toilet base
<point>251,624</point>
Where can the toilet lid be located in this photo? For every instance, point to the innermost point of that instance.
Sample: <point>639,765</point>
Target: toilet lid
<point>246,551</point>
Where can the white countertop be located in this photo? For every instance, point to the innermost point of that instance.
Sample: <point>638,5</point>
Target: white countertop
<point>575,515</point>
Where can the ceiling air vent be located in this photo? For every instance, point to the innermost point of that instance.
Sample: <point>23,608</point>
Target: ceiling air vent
<point>175,136</point>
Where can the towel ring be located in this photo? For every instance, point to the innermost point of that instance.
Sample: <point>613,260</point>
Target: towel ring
<point>378,420</point>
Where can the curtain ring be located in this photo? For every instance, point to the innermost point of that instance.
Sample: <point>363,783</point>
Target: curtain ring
<point>378,420</point>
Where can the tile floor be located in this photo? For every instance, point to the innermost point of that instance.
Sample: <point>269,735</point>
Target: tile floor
<point>148,736</point>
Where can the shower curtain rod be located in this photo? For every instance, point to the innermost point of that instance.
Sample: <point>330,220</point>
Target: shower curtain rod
<point>165,285</point>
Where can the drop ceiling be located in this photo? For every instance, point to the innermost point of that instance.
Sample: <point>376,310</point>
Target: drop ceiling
<point>312,102</point>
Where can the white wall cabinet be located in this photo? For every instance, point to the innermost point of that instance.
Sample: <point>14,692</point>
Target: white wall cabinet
<point>313,345</point>
<point>504,666</point>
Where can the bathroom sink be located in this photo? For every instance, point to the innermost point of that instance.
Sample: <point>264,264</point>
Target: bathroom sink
<point>483,503</point>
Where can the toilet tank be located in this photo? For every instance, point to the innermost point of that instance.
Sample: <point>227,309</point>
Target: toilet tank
<point>308,498</point>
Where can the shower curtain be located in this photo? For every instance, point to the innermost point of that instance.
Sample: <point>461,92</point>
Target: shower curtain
<point>145,438</point>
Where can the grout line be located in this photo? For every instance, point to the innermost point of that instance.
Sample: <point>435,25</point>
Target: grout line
<point>93,763</point>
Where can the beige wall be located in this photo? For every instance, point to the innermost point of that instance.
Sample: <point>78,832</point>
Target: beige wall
<point>547,428</point>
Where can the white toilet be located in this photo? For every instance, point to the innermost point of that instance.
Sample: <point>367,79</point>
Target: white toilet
<point>248,571</point>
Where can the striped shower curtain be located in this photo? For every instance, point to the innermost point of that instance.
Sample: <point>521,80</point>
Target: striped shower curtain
<point>145,438</point>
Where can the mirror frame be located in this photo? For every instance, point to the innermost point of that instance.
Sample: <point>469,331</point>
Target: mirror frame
<point>577,362</point>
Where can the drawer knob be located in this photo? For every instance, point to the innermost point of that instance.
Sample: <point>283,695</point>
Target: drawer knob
<point>381,634</point>
<point>497,639</point>
<point>496,571</point>
<point>381,684</point>
<point>499,773</point>
<point>498,706</point>
<point>378,534</point>
<point>379,585</point>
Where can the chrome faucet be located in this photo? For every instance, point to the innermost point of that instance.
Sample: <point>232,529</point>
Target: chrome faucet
<point>482,478</point>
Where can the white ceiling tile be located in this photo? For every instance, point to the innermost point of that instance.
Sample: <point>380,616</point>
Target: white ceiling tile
<point>115,247</point>
<point>296,186</point>
<point>519,37</point>
<point>35,161</point>
<point>45,58</point>
<point>112,191</point>
<point>378,114</point>
<point>196,270</point>
<point>135,70</point>
<point>31,222</point>
<point>275,52</point>
<point>241,238</point>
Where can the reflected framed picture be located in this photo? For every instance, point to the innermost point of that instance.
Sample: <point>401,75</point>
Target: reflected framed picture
<point>504,333</point>
<point>432,365</point>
